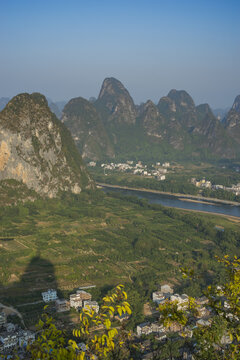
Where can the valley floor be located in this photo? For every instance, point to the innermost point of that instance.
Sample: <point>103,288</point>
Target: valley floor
<point>106,239</point>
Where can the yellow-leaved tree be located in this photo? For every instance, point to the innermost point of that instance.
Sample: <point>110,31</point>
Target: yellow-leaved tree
<point>95,337</point>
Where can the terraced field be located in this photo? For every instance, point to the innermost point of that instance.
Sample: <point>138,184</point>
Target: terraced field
<point>105,239</point>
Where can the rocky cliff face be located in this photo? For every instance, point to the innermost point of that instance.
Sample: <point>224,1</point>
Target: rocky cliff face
<point>115,103</point>
<point>207,123</point>
<point>213,134</point>
<point>182,99</point>
<point>151,120</point>
<point>232,120</point>
<point>36,149</point>
<point>167,107</point>
<point>182,108</point>
<point>85,124</point>
<point>175,109</point>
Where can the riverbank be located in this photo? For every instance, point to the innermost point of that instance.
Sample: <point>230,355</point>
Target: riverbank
<point>197,201</point>
<point>196,198</point>
<point>229,217</point>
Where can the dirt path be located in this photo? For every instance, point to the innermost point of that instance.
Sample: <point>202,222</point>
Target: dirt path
<point>9,310</point>
<point>19,242</point>
<point>31,303</point>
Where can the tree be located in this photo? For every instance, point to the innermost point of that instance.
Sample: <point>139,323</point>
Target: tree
<point>170,349</point>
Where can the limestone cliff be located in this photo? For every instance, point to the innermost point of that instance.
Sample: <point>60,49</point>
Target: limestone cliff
<point>115,103</point>
<point>178,105</point>
<point>212,134</point>
<point>151,120</point>
<point>85,124</point>
<point>37,149</point>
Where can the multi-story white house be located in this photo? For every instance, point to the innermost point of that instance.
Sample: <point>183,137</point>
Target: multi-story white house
<point>50,295</point>
<point>26,337</point>
<point>148,328</point>
<point>9,341</point>
<point>182,300</point>
<point>76,300</point>
<point>158,297</point>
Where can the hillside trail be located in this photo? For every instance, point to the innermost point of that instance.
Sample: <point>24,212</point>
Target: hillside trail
<point>9,310</point>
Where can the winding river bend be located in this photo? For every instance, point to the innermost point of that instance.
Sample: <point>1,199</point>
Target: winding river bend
<point>180,202</point>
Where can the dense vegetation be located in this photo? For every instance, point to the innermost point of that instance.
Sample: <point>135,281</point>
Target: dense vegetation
<point>13,192</point>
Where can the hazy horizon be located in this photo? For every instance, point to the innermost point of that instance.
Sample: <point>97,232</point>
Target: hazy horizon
<point>66,49</point>
<point>50,99</point>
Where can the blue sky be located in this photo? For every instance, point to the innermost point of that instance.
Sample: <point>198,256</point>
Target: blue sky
<point>65,49</point>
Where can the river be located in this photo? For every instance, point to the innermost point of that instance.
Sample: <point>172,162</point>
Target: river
<point>180,202</point>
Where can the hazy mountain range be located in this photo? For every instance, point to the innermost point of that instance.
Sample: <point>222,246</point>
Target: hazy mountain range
<point>37,149</point>
<point>175,128</point>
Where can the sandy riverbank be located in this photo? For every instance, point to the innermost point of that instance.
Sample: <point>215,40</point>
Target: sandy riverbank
<point>197,201</point>
<point>229,217</point>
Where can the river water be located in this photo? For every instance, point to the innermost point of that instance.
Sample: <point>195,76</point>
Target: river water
<point>174,201</point>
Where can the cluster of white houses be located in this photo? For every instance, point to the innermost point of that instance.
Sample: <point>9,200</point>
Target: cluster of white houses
<point>157,170</point>
<point>81,299</point>
<point>12,336</point>
<point>203,183</point>
<point>202,318</point>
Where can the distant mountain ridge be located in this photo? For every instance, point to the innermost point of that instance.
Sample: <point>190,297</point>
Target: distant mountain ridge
<point>174,128</point>
<point>56,107</point>
<point>112,126</point>
<point>37,149</point>
<point>221,113</point>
